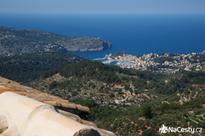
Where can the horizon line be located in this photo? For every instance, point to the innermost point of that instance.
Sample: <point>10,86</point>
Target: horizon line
<point>106,14</point>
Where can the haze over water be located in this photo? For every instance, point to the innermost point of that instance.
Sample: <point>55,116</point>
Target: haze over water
<point>133,34</point>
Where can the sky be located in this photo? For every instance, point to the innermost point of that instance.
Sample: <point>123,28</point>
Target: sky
<point>102,6</point>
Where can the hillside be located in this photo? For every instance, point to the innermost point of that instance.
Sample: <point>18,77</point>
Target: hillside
<point>129,100</point>
<point>15,41</point>
<point>27,67</point>
<point>125,101</point>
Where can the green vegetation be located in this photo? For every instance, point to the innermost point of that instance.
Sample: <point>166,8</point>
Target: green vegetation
<point>27,67</point>
<point>149,132</point>
<point>127,102</point>
<point>91,70</point>
<point>147,111</point>
<point>16,41</point>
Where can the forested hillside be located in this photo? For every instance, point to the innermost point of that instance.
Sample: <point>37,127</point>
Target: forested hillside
<point>125,101</point>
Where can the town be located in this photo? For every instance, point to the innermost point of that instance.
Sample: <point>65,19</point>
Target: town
<point>163,63</point>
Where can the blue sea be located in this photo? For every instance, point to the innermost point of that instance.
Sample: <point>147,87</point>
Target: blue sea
<point>133,34</point>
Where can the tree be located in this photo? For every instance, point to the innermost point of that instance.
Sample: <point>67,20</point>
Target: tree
<point>147,111</point>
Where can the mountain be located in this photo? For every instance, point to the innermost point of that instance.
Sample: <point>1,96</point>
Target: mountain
<point>15,41</point>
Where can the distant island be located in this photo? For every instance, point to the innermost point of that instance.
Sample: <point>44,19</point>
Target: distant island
<point>14,41</point>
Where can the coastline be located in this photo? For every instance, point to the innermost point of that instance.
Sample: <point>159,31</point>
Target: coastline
<point>162,63</point>
<point>136,35</point>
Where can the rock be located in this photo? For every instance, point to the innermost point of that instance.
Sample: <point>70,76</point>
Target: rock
<point>203,105</point>
<point>146,90</point>
<point>8,85</point>
<point>87,132</point>
<point>3,123</point>
<point>30,117</point>
<point>117,101</point>
<point>25,107</point>
<point>190,112</point>
<point>165,102</point>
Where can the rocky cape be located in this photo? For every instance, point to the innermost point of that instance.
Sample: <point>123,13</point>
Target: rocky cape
<point>16,41</point>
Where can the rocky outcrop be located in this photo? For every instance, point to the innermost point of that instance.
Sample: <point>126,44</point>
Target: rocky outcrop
<point>28,117</point>
<point>25,111</point>
<point>8,85</point>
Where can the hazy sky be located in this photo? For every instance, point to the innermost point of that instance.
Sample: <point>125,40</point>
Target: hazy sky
<point>103,6</point>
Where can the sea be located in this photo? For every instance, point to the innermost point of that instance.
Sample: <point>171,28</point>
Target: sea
<point>131,34</point>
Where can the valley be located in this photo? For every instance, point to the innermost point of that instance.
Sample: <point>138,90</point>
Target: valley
<point>124,101</point>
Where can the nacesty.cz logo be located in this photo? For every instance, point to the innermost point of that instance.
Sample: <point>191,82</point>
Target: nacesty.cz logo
<point>165,129</point>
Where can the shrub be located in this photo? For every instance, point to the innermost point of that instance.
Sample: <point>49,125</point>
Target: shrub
<point>147,111</point>
<point>149,132</point>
